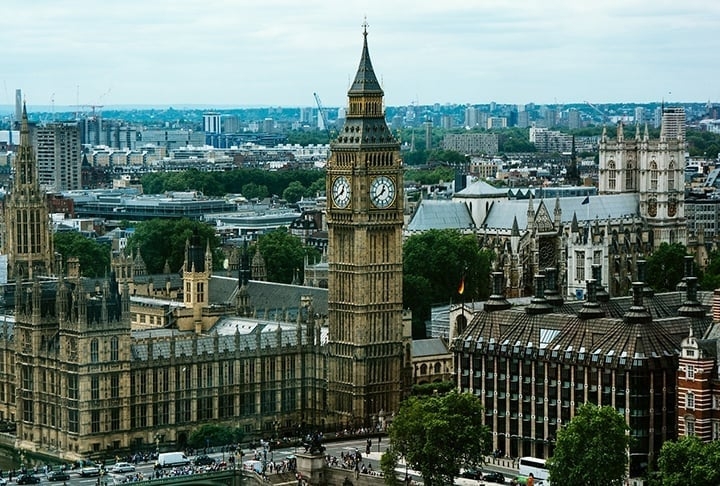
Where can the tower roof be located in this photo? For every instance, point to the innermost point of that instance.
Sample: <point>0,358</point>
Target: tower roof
<point>365,80</point>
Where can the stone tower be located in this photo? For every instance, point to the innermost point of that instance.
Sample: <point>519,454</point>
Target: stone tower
<point>196,278</point>
<point>365,218</point>
<point>28,243</point>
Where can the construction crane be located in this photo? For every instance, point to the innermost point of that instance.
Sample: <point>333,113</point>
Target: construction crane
<point>322,116</point>
<point>603,116</point>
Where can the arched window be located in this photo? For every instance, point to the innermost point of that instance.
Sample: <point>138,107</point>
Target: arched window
<point>653,176</point>
<point>630,176</point>
<point>671,176</point>
<point>423,369</point>
<point>114,349</point>
<point>438,368</point>
<point>94,351</point>
<point>611,175</point>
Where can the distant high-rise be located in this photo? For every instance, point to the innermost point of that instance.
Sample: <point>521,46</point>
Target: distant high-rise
<point>574,119</point>
<point>639,114</point>
<point>428,135</point>
<point>673,123</point>
<point>211,122</point>
<point>59,156</point>
<point>18,105</point>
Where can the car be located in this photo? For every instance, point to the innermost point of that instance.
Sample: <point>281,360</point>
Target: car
<point>27,479</point>
<point>494,477</point>
<point>471,473</point>
<point>204,460</point>
<point>58,476</point>
<point>87,471</point>
<point>122,467</point>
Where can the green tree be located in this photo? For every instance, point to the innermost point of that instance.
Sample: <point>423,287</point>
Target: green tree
<point>284,255</point>
<point>252,190</point>
<point>94,257</point>
<point>710,279</point>
<point>438,435</point>
<point>689,461</point>
<point>293,192</point>
<point>163,240</point>
<point>591,450</point>
<point>434,264</point>
<point>214,435</point>
<point>666,267</point>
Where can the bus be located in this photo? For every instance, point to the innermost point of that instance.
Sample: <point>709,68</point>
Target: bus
<point>536,466</point>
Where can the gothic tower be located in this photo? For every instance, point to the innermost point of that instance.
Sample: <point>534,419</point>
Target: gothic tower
<point>28,242</point>
<point>365,218</point>
<point>196,278</point>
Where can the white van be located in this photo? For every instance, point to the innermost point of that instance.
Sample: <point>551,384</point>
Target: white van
<point>172,459</point>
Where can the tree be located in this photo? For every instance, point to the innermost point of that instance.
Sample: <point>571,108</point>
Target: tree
<point>437,436</point>
<point>591,450</point>
<point>254,191</point>
<point>284,255</point>
<point>710,279</point>
<point>689,461</point>
<point>294,192</point>
<point>434,264</point>
<point>214,435</point>
<point>666,267</point>
<point>94,257</point>
<point>163,240</point>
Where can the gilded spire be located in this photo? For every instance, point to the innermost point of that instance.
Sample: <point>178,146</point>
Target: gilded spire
<point>365,80</point>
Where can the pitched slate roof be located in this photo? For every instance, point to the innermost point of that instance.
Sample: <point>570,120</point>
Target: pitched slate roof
<point>614,206</point>
<point>428,347</point>
<point>439,214</point>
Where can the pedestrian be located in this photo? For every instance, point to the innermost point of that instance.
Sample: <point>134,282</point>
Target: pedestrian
<point>530,480</point>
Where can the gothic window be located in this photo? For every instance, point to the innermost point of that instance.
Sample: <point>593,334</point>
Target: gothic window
<point>611,175</point>
<point>438,368</point>
<point>580,266</point>
<point>95,387</point>
<point>671,177</point>
<point>95,421</point>
<point>94,351</point>
<point>200,292</point>
<point>114,386</point>
<point>114,349</point>
<point>652,207</point>
<point>423,369</point>
<point>629,176</point>
<point>653,176</point>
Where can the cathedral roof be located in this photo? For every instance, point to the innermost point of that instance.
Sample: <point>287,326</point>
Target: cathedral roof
<point>439,214</point>
<point>611,206</point>
<point>428,347</point>
<point>480,188</point>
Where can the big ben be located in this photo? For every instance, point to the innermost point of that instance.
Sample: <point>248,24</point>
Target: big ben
<point>365,219</point>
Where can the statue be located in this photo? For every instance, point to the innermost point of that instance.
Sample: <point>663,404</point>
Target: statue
<point>313,444</point>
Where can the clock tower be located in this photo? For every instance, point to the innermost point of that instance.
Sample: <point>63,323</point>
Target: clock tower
<point>368,357</point>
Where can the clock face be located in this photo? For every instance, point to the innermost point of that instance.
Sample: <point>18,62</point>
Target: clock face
<point>341,192</point>
<point>382,192</point>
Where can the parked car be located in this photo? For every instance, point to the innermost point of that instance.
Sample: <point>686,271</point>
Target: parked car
<point>471,473</point>
<point>58,476</point>
<point>494,477</point>
<point>122,467</point>
<point>27,479</point>
<point>204,460</point>
<point>87,471</point>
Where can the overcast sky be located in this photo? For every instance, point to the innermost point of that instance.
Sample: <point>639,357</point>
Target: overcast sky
<point>279,52</point>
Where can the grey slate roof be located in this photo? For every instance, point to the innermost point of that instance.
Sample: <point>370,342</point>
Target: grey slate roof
<point>615,206</point>
<point>480,188</point>
<point>429,347</point>
<point>438,214</point>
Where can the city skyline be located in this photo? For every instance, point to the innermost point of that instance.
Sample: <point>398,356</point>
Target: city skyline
<point>278,53</point>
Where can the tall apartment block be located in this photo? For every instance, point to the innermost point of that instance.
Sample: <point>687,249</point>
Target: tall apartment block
<point>673,123</point>
<point>59,156</point>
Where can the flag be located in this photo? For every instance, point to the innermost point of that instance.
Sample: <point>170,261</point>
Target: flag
<point>461,288</point>
<point>586,200</point>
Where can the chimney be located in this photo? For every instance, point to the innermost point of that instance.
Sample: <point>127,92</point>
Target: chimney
<point>637,314</point>
<point>538,304</point>
<point>591,309</point>
<point>647,290</point>
<point>551,293</point>
<point>691,307</point>
<point>601,294</point>
<point>497,300</point>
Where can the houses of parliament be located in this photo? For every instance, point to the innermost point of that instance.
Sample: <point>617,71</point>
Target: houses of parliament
<point>94,366</point>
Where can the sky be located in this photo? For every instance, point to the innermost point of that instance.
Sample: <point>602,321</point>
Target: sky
<point>240,53</point>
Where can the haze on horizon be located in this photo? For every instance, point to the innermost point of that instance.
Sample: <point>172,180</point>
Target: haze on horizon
<point>279,52</point>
